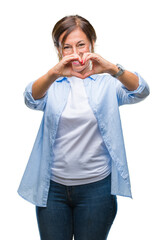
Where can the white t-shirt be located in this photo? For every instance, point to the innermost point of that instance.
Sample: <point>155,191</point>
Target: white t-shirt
<point>80,155</point>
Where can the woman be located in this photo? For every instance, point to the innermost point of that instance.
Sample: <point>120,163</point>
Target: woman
<point>78,162</point>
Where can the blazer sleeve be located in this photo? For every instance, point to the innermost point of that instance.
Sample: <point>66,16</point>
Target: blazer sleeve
<point>125,96</point>
<point>30,102</point>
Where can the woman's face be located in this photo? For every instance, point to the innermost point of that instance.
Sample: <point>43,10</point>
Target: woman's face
<point>76,43</point>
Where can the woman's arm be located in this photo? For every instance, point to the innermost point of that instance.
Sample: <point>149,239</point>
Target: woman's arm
<point>128,79</point>
<point>41,85</point>
<point>101,65</point>
<point>63,68</point>
<point>126,96</point>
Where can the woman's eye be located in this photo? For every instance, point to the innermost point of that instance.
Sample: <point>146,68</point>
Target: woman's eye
<point>66,47</point>
<point>82,44</point>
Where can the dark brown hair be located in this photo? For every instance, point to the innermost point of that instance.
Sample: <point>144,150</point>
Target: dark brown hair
<point>70,23</point>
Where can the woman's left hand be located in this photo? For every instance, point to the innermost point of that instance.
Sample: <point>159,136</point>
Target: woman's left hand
<point>99,64</point>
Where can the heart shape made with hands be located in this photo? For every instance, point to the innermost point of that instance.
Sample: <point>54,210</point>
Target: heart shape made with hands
<point>98,64</point>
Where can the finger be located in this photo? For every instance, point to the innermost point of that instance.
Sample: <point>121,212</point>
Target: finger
<point>76,74</point>
<point>89,73</point>
<point>85,56</point>
<point>93,57</point>
<point>72,57</point>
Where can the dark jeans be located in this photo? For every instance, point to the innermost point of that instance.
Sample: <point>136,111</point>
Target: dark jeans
<point>84,211</point>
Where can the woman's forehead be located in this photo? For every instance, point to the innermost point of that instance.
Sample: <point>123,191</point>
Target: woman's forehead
<point>74,36</point>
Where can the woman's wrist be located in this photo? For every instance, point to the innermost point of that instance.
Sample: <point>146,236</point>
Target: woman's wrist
<point>51,76</point>
<point>112,69</point>
<point>128,79</point>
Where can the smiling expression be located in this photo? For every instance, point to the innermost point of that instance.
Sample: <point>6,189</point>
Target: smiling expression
<point>76,43</point>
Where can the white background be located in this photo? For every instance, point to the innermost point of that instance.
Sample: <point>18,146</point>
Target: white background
<point>132,33</point>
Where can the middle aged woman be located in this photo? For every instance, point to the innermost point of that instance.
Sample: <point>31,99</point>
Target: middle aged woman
<point>78,162</point>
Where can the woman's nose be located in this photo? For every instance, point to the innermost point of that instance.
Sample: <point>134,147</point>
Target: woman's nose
<point>75,51</point>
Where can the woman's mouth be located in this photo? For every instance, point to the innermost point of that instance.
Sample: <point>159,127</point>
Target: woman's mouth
<point>76,63</point>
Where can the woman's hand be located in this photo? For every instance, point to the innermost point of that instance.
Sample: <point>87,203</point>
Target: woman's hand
<point>99,64</point>
<point>64,68</point>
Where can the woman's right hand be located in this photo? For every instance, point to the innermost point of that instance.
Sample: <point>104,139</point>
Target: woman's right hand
<point>64,67</point>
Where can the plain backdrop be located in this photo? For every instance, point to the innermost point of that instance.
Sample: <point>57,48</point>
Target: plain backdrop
<point>132,33</point>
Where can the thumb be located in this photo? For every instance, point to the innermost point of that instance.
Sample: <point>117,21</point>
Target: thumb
<point>88,73</point>
<point>76,74</point>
